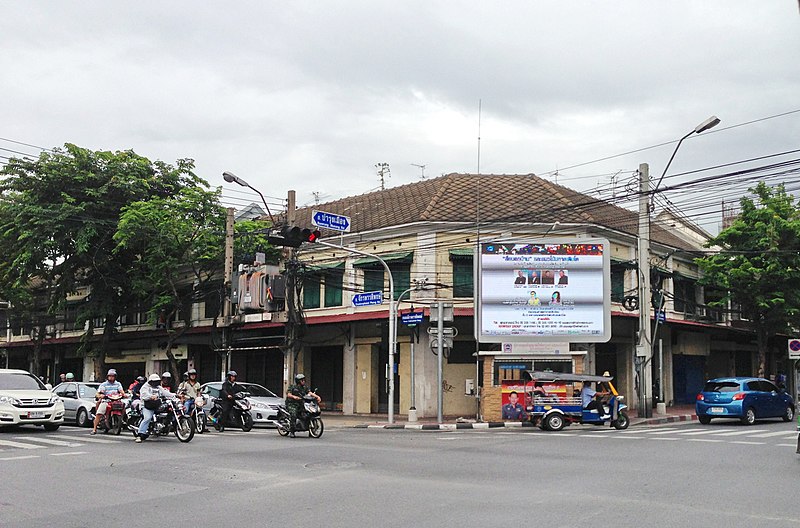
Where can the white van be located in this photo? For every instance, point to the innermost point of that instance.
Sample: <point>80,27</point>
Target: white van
<point>24,399</point>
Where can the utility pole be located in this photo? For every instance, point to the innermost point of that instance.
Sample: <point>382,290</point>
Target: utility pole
<point>439,362</point>
<point>292,302</point>
<point>227,306</point>
<point>644,347</point>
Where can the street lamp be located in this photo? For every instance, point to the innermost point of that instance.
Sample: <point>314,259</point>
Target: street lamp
<point>232,178</point>
<point>644,347</point>
<point>709,123</point>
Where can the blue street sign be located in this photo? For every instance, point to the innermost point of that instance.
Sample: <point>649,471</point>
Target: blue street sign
<point>331,221</point>
<point>411,318</point>
<point>661,317</point>
<point>368,298</point>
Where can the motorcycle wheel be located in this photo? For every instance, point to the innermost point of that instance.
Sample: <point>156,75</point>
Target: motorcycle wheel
<point>315,427</point>
<point>116,424</point>
<point>283,427</point>
<point>133,423</point>
<point>200,422</point>
<point>247,422</point>
<point>184,429</point>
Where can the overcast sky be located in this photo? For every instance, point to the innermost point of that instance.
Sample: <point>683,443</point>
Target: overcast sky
<point>311,95</point>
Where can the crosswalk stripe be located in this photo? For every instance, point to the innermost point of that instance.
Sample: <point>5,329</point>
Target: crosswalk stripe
<point>103,440</point>
<point>19,445</point>
<point>48,441</point>
<point>70,453</point>
<point>20,457</point>
<point>770,435</point>
<point>741,433</point>
<point>704,440</point>
<point>746,443</point>
<point>701,432</point>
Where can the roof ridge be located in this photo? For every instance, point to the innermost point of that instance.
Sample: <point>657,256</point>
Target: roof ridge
<point>436,197</point>
<point>557,189</point>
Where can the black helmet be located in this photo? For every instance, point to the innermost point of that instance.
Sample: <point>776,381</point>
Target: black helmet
<point>232,373</point>
<point>299,377</point>
<point>185,376</point>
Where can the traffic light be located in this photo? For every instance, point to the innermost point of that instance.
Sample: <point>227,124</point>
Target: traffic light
<point>294,237</point>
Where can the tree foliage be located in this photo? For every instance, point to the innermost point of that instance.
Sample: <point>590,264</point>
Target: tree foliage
<point>758,265</point>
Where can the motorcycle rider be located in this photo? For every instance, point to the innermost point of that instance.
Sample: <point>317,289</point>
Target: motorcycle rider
<point>189,390</point>
<point>166,381</point>
<point>229,390</point>
<point>110,388</point>
<point>151,393</point>
<point>294,400</point>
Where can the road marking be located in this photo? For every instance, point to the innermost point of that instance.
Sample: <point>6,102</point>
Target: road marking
<point>741,433</point>
<point>696,432</point>
<point>747,443</point>
<point>666,438</point>
<point>19,445</point>
<point>660,430</point>
<point>70,453</point>
<point>48,441</point>
<point>632,437</point>
<point>101,440</point>
<point>705,440</point>
<point>770,435</point>
<point>20,457</point>
<point>786,445</point>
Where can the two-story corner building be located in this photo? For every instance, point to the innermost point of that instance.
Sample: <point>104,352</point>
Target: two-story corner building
<point>429,230</point>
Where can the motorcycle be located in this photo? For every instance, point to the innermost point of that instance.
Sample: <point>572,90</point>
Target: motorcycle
<point>240,415</point>
<point>308,419</point>
<point>112,420</point>
<point>169,418</point>
<point>198,415</point>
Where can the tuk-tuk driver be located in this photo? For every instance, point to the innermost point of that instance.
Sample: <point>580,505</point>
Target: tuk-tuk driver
<point>513,410</point>
<point>588,401</point>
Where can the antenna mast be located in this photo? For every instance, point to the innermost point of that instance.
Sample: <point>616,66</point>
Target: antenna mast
<point>383,172</point>
<point>422,168</point>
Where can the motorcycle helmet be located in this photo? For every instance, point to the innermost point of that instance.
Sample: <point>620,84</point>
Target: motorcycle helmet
<point>111,372</point>
<point>232,374</point>
<point>299,377</point>
<point>166,375</point>
<point>70,376</point>
<point>185,376</point>
<point>154,380</point>
<point>192,371</point>
<point>140,379</point>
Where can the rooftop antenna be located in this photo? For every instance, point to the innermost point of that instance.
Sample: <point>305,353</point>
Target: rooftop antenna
<point>383,172</point>
<point>316,197</point>
<point>422,168</point>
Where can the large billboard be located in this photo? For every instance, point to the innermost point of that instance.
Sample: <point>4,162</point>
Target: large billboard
<point>550,290</point>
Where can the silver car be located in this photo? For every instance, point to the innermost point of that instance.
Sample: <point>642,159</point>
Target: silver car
<point>79,402</point>
<point>264,403</point>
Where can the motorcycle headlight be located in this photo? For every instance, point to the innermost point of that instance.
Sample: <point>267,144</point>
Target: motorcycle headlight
<point>9,400</point>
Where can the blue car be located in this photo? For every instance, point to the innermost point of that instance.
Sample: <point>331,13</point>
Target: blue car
<point>747,399</point>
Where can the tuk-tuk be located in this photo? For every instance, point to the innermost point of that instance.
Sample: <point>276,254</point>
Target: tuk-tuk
<point>553,402</point>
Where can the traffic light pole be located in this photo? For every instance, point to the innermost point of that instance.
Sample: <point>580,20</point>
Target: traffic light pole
<point>392,317</point>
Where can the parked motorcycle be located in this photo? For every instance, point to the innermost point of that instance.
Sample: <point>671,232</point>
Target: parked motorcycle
<point>240,413</point>
<point>112,420</point>
<point>308,420</point>
<point>169,418</point>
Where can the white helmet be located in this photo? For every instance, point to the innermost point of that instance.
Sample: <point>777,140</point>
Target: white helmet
<point>154,377</point>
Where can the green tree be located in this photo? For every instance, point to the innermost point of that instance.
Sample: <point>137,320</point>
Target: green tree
<point>58,217</point>
<point>758,265</point>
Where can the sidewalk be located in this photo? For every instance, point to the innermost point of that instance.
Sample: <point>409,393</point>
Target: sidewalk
<point>683,413</point>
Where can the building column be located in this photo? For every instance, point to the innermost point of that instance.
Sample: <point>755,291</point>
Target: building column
<point>350,373</point>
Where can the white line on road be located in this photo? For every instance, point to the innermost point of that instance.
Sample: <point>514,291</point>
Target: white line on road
<point>666,438</point>
<point>696,432</point>
<point>19,445</point>
<point>103,440</point>
<point>643,431</point>
<point>632,437</point>
<point>48,441</point>
<point>770,435</point>
<point>20,457</point>
<point>70,453</point>
<point>747,443</point>
<point>741,433</point>
<point>704,440</point>
<point>673,431</point>
<point>786,445</point>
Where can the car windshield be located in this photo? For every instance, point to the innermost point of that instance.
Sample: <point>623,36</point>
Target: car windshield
<point>20,381</point>
<point>258,390</point>
<point>721,386</point>
<point>86,392</point>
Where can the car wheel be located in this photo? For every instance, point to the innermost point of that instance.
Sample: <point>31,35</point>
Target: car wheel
<point>749,417</point>
<point>788,415</point>
<point>51,427</point>
<point>82,420</point>
<point>705,420</point>
<point>554,422</point>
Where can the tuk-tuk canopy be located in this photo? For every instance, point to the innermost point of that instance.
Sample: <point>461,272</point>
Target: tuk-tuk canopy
<point>537,375</point>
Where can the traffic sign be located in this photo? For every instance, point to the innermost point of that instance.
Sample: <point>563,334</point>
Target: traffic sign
<point>411,318</point>
<point>794,349</point>
<point>368,298</point>
<point>331,221</point>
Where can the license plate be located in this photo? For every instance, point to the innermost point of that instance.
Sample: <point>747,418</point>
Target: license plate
<point>717,410</point>
<point>36,414</point>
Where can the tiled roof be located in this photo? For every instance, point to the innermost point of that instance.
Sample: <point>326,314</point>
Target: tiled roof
<point>503,198</point>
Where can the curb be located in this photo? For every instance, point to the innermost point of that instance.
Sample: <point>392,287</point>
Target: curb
<point>507,425</point>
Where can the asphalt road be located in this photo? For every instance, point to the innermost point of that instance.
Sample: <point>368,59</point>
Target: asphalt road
<point>682,475</point>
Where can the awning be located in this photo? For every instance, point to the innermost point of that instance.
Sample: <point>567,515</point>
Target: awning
<point>621,263</point>
<point>462,254</point>
<point>391,258</point>
<point>563,376</point>
<point>313,266</point>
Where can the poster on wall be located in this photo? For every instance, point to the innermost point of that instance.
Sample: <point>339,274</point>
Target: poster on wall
<point>515,402</point>
<point>554,290</point>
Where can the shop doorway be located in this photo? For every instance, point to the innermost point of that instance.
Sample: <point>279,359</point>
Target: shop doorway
<point>688,377</point>
<point>383,385</point>
<point>327,371</point>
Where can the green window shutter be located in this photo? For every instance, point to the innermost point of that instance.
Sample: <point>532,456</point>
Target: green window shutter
<point>402,278</point>
<point>373,280</point>
<point>463,279</point>
<point>617,283</point>
<point>311,291</point>
<point>333,288</point>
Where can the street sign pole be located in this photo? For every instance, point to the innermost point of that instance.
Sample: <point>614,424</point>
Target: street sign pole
<point>392,317</point>
<point>439,365</point>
